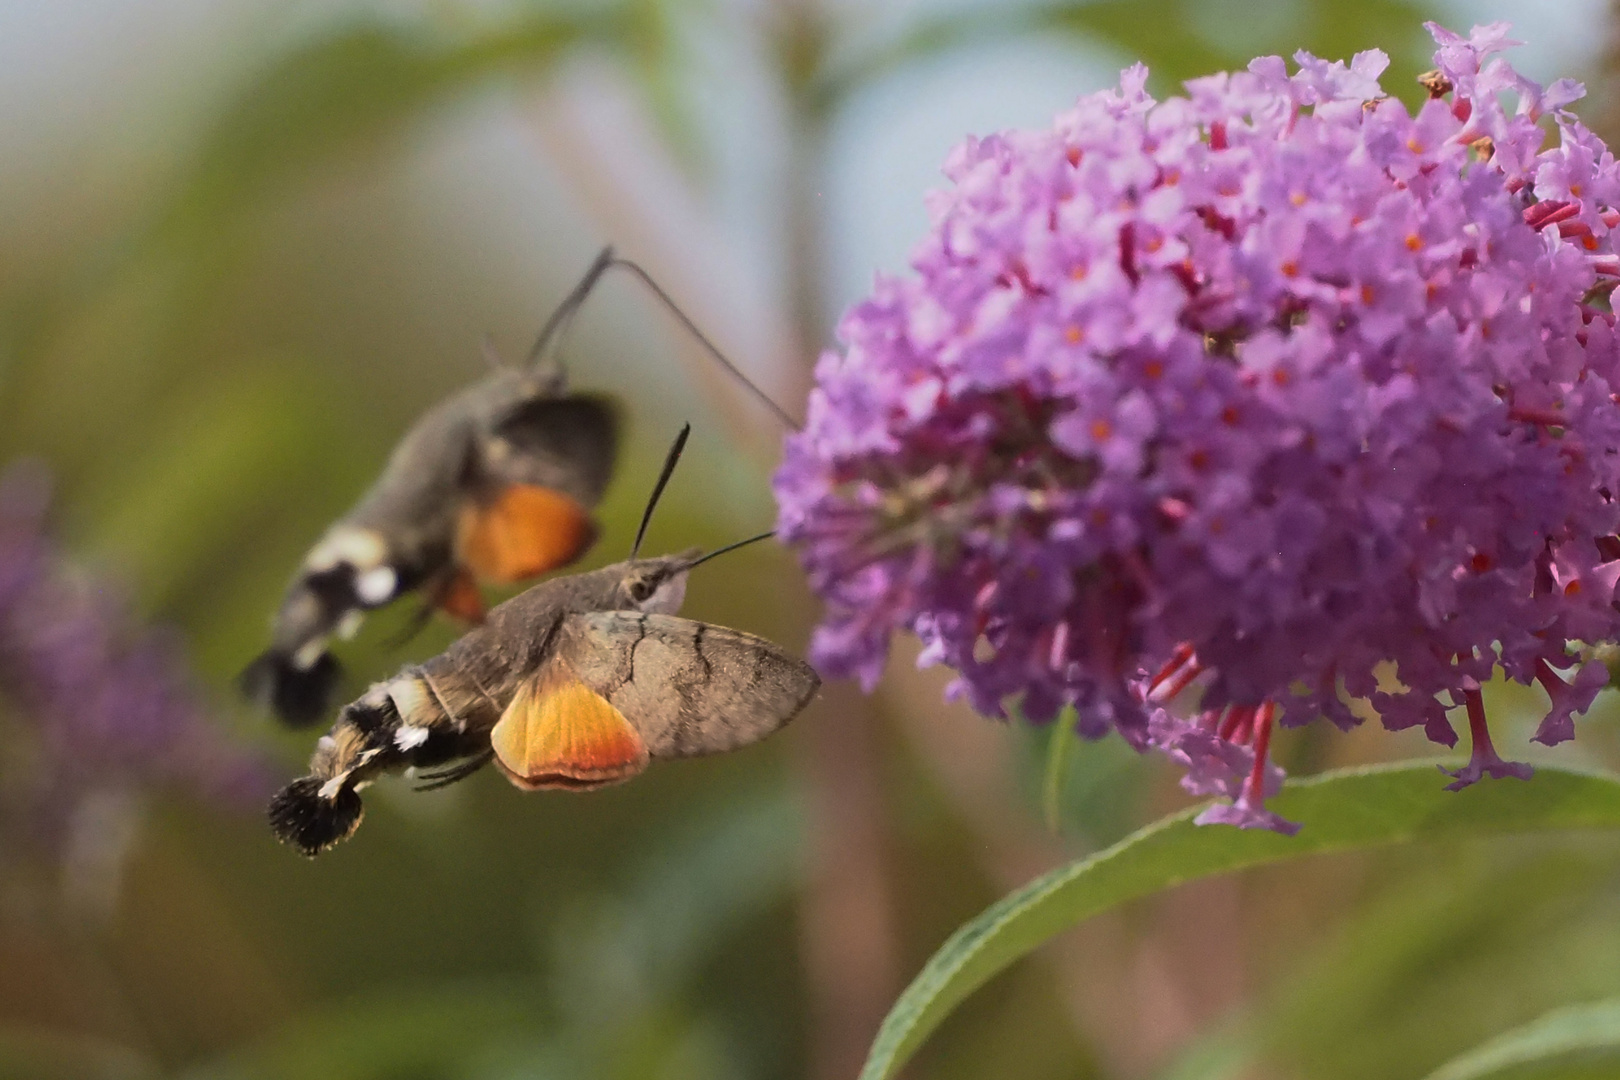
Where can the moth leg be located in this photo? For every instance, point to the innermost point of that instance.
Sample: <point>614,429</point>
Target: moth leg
<point>417,622</point>
<point>458,596</point>
<point>440,778</point>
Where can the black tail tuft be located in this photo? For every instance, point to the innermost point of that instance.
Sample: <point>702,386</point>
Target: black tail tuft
<point>302,817</point>
<point>300,697</point>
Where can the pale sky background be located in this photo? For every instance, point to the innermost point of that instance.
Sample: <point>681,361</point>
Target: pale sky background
<point>109,92</point>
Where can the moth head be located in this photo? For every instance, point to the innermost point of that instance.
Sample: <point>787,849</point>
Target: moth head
<point>655,586</point>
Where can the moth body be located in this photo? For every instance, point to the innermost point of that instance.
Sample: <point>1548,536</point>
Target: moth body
<point>495,483</point>
<point>577,682</point>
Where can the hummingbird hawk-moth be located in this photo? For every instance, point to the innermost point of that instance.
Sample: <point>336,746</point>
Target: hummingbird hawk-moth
<point>578,682</point>
<point>495,484</point>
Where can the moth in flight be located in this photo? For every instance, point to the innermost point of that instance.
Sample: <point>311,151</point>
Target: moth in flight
<point>578,682</point>
<point>495,484</point>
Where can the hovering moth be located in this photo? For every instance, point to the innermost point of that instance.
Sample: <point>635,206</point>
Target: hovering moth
<point>495,484</point>
<point>576,683</point>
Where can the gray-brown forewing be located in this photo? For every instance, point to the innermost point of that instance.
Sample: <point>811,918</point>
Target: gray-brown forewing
<point>564,444</point>
<point>689,688</point>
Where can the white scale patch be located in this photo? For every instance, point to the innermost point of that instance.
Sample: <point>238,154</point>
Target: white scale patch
<point>350,625</point>
<point>329,790</point>
<point>376,586</point>
<point>360,548</point>
<point>310,654</point>
<point>668,597</point>
<point>409,736</point>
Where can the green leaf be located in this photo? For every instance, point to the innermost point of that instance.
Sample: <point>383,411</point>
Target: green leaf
<point>1594,1026</point>
<point>1342,811</point>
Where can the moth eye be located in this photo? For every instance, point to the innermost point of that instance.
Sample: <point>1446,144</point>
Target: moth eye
<point>641,589</point>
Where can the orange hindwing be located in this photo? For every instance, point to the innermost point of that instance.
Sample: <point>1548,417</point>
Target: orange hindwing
<point>559,733</point>
<point>521,533</point>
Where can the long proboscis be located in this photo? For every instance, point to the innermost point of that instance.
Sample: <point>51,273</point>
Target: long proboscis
<point>717,552</point>
<point>670,460</point>
<point>606,261</point>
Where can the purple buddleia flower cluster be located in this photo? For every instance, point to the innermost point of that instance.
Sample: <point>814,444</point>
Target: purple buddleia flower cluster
<point>93,708</point>
<point>1253,397</point>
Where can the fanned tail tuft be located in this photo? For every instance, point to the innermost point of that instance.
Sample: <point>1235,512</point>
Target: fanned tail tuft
<point>301,816</point>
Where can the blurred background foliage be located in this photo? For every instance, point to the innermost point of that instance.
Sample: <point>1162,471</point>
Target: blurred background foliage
<point>243,243</point>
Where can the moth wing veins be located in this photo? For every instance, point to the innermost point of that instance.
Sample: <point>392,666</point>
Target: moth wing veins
<point>690,688</point>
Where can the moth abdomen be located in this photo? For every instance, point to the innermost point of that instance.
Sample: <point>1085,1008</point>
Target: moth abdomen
<point>312,816</point>
<point>351,571</point>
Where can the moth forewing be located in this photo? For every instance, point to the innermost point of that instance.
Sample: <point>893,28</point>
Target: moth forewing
<point>689,688</point>
<point>566,444</point>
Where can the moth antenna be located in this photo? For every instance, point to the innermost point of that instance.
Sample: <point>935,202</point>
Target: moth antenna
<point>670,461</point>
<point>700,560</point>
<point>708,346</point>
<point>492,355</point>
<point>606,261</point>
<point>568,307</point>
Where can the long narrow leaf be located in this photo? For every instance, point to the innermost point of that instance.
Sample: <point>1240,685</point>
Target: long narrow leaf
<point>1595,1026</point>
<point>1341,811</point>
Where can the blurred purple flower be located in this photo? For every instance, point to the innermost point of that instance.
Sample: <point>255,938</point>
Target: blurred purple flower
<point>96,706</point>
<point>1257,389</point>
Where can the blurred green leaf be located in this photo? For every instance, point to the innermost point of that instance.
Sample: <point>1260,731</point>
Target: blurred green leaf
<point>1413,976</point>
<point>1222,1054</point>
<point>1594,1026</point>
<point>1169,37</point>
<point>1173,37</point>
<point>391,1034</point>
<point>343,88</point>
<point>695,883</point>
<point>1341,811</point>
<point>49,1055</point>
<point>661,56</point>
<point>165,510</point>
